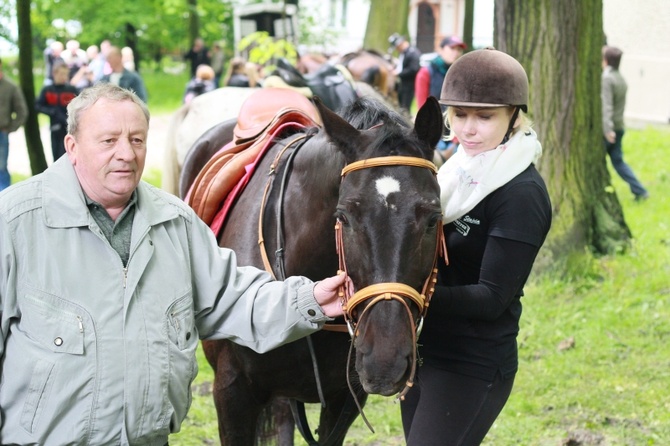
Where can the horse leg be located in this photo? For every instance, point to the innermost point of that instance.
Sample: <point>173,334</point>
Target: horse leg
<point>237,413</point>
<point>237,408</point>
<point>283,419</point>
<point>338,415</point>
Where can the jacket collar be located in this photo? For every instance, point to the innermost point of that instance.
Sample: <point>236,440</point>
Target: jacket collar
<point>64,202</point>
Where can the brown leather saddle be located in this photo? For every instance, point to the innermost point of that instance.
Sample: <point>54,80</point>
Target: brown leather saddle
<point>263,117</point>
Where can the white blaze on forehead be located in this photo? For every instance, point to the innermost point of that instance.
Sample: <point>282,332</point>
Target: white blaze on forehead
<point>386,186</point>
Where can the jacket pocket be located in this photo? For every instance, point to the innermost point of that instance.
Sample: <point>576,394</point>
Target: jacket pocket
<point>54,327</point>
<point>183,367</point>
<point>182,322</point>
<point>37,391</point>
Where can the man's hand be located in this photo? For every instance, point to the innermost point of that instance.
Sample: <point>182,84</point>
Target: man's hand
<point>326,294</point>
<point>610,137</point>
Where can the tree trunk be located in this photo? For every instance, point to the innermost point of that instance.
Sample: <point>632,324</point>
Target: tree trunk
<point>468,23</point>
<point>193,20</point>
<point>559,45</point>
<point>384,19</point>
<point>131,42</point>
<point>31,128</point>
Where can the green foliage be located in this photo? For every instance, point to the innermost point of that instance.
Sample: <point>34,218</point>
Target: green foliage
<point>264,50</point>
<point>159,27</point>
<point>594,344</point>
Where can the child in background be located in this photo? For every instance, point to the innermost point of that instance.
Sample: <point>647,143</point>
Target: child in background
<point>52,101</point>
<point>202,82</point>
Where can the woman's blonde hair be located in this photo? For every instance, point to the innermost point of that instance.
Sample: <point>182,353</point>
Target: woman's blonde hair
<point>524,126</point>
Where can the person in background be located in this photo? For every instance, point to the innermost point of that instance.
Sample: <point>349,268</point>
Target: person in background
<point>123,77</point>
<point>107,284</point>
<point>430,78</point>
<point>203,82</point>
<point>237,75</point>
<point>105,46</point>
<point>53,101</point>
<point>13,114</point>
<point>96,62</point>
<point>408,66</point>
<point>496,216</point>
<point>74,57</point>
<point>218,60</point>
<point>86,75</point>
<point>198,55</point>
<point>52,56</point>
<point>128,57</point>
<point>613,90</point>
<point>429,82</point>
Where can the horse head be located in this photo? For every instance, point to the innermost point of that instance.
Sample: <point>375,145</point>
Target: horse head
<point>388,224</point>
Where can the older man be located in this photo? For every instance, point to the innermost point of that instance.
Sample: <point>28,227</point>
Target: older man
<point>106,285</point>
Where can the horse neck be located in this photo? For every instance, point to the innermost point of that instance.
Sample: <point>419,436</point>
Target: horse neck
<point>309,204</point>
<point>317,167</point>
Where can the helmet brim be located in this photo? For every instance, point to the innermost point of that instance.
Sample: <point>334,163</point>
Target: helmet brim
<point>479,104</point>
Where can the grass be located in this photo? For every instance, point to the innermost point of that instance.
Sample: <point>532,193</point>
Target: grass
<point>594,350</point>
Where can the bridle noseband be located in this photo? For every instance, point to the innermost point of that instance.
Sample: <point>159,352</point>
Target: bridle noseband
<point>391,290</point>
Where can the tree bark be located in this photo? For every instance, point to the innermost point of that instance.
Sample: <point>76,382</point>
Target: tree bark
<point>384,19</point>
<point>193,20</point>
<point>468,23</point>
<point>31,128</point>
<point>559,44</point>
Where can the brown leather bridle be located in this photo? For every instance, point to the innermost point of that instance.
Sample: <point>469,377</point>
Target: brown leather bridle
<point>390,290</point>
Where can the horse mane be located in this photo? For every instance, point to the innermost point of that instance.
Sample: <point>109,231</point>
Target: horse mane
<point>364,113</point>
<point>367,112</point>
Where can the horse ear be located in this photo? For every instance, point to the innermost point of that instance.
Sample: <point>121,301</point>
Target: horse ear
<point>339,131</point>
<point>428,123</point>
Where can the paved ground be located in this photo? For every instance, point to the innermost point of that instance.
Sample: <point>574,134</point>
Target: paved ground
<point>20,163</point>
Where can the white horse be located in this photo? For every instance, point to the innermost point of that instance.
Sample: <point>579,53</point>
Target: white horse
<point>191,120</point>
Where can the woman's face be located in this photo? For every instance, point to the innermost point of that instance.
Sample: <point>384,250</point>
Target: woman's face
<point>480,129</point>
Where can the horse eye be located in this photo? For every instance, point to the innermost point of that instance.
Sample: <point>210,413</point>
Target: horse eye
<point>341,218</point>
<point>433,220</point>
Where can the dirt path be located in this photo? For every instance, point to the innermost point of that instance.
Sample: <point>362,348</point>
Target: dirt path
<point>19,162</point>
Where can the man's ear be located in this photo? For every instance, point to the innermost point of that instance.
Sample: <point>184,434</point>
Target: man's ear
<point>71,147</point>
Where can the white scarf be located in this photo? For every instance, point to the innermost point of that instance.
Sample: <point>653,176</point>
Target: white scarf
<point>465,180</point>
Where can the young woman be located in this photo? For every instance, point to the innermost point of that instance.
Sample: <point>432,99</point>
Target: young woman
<point>496,216</point>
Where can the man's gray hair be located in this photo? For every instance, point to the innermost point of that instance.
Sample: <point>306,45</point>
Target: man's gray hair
<point>90,96</point>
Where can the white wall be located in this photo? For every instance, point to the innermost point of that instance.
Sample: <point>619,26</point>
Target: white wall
<point>641,28</point>
<point>350,38</point>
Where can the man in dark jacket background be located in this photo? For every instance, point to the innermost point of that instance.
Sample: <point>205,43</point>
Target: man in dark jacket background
<point>408,66</point>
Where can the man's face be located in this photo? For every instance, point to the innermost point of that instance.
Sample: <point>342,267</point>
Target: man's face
<point>109,151</point>
<point>450,53</point>
<point>115,61</point>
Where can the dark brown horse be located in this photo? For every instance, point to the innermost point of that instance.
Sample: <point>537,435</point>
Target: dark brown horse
<point>387,209</point>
